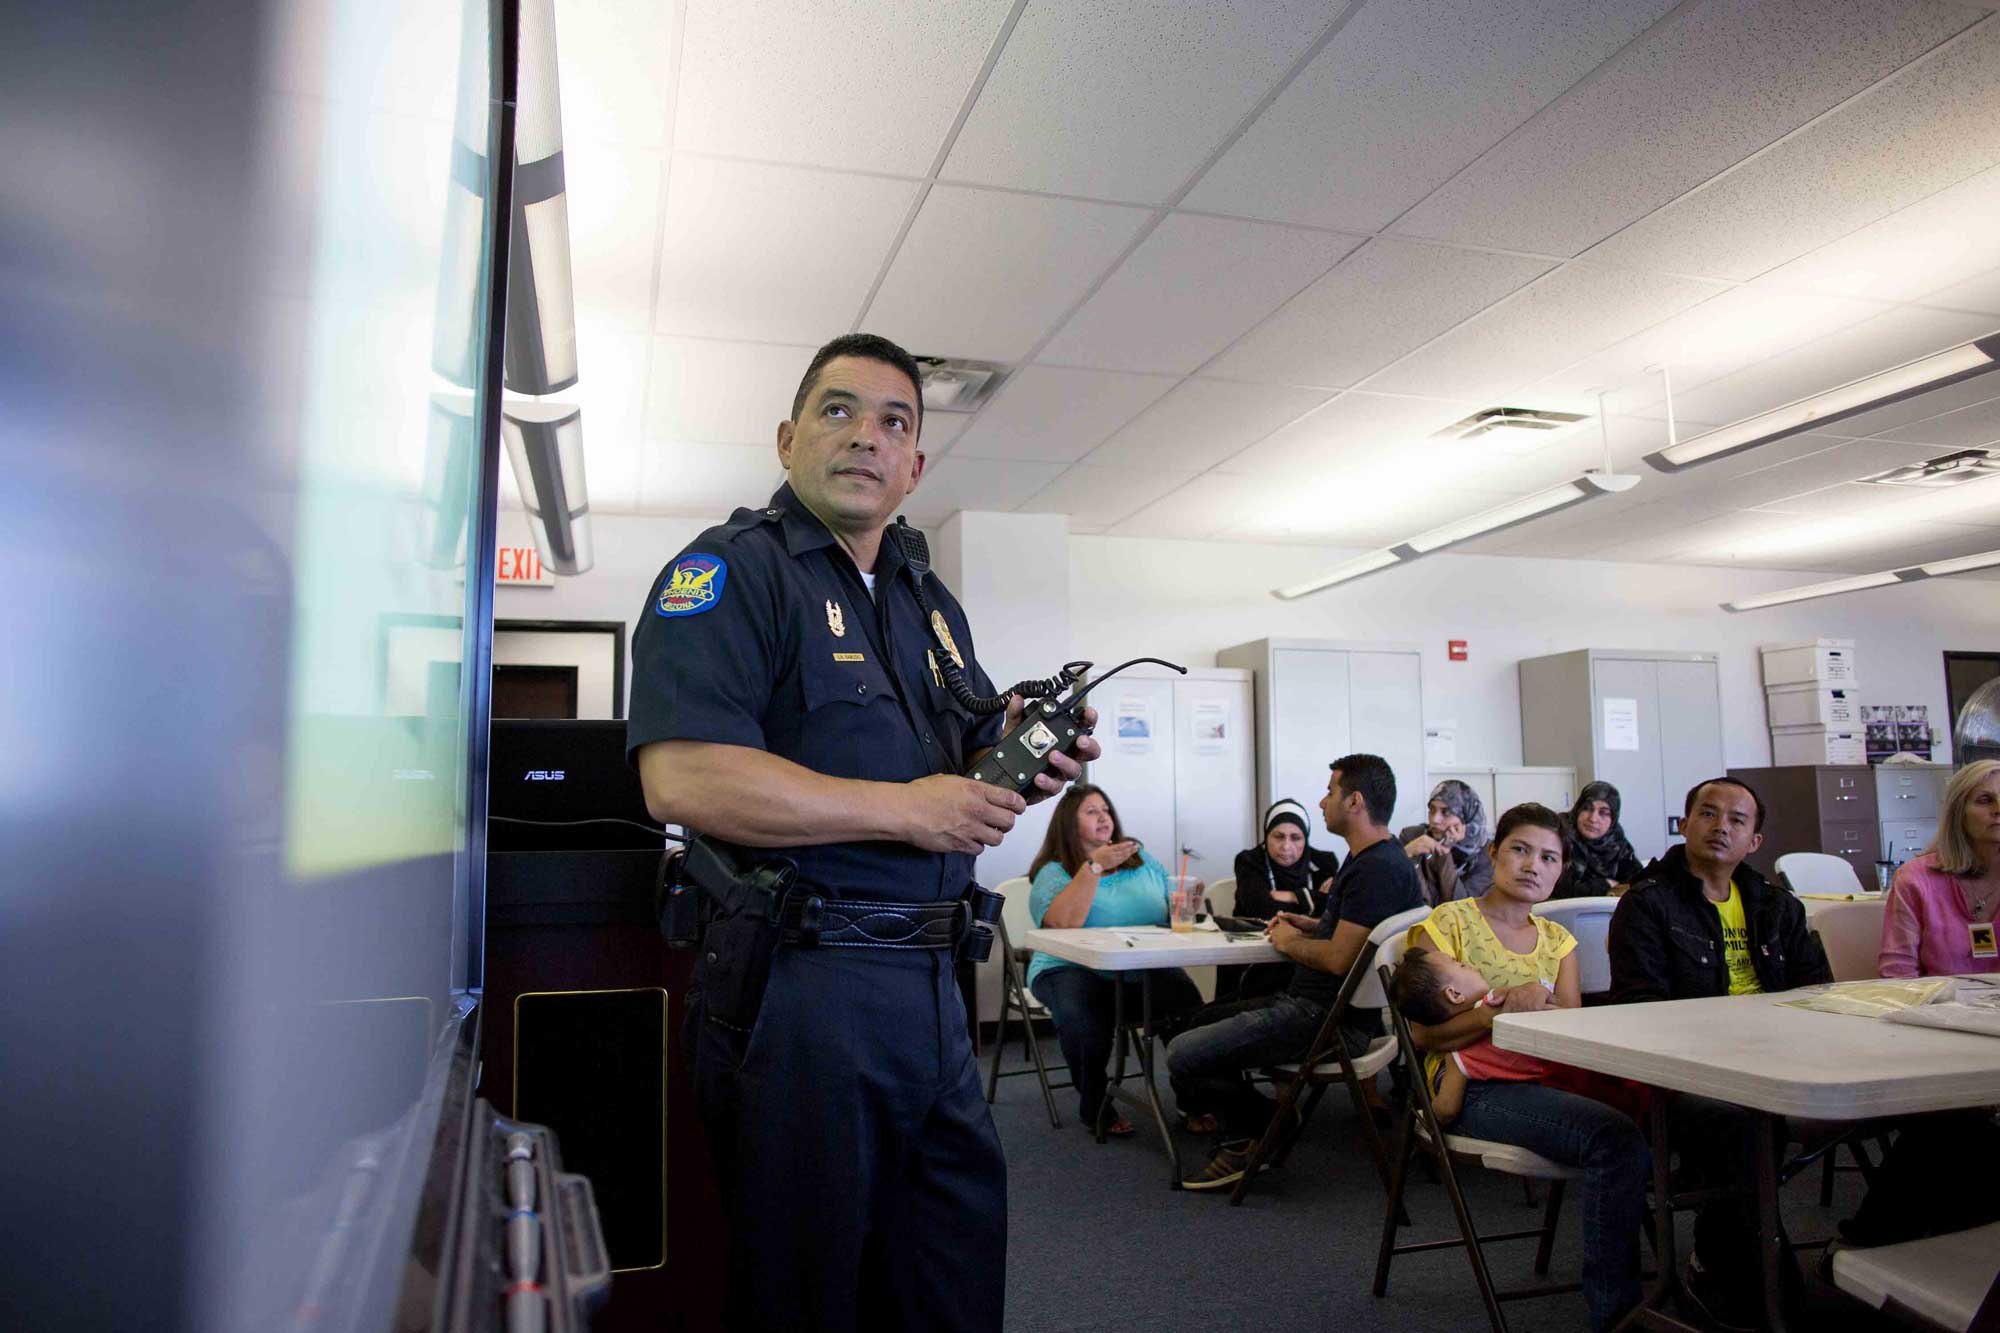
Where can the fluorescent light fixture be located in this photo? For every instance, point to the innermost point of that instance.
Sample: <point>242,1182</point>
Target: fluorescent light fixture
<point>1831,588</point>
<point>1963,564</point>
<point>1585,487</point>
<point>1352,569</point>
<point>545,444</point>
<point>1890,386</point>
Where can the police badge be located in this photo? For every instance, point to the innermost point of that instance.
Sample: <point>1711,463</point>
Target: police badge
<point>835,621</point>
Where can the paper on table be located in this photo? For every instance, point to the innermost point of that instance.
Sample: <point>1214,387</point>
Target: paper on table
<point>1889,998</point>
<point>1974,1008</point>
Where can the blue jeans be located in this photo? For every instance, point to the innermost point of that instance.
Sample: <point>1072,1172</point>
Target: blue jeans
<point>1222,1042</point>
<point>1083,1005</point>
<point>1616,1162</point>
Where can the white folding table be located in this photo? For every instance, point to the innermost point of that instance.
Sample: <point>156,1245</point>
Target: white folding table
<point>1143,949</point>
<point>1752,1051</point>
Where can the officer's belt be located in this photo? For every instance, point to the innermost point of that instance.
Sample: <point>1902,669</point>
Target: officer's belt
<point>811,921</point>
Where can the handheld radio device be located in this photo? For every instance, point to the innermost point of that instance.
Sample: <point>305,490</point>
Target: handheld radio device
<point>1048,726</point>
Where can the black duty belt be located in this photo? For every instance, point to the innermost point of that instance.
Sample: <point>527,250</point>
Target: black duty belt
<point>809,920</point>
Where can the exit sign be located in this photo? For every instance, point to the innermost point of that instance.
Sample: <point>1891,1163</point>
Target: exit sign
<point>521,567</point>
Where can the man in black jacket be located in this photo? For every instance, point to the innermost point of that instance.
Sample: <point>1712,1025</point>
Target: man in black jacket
<point>1699,923</point>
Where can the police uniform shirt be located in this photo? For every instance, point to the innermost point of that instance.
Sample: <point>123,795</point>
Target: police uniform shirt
<point>761,633</point>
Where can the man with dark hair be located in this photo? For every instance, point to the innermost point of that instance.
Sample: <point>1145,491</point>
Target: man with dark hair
<point>793,705</point>
<point>1221,1043</point>
<point>1699,923</point>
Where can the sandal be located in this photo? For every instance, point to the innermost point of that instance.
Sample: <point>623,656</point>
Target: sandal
<point>1121,1128</point>
<point>1202,1124</point>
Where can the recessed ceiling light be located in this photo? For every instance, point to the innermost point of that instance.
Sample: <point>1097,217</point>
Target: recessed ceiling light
<point>1946,470</point>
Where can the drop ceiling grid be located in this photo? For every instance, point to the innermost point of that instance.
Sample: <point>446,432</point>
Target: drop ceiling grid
<point>1052,414</point>
<point>1102,496</point>
<point>874,85</point>
<point>1702,90</point>
<point>1201,422</point>
<point>1123,99</point>
<point>1194,286</point>
<point>1419,91</point>
<point>1922,129</point>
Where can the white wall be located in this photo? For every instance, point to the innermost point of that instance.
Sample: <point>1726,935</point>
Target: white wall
<point>1183,600</point>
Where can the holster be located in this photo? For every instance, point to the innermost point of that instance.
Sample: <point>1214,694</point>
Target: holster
<point>710,896</point>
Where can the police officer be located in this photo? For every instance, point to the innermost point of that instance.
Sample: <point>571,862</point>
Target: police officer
<point>789,694</point>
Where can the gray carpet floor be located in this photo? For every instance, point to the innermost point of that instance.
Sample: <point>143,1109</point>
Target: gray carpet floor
<point>1098,1241</point>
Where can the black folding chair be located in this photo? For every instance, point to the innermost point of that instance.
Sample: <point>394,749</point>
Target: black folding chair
<point>1016,999</point>
<point>1418,1129</point>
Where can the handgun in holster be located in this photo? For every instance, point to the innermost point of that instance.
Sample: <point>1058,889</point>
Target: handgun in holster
<point>712,897</point>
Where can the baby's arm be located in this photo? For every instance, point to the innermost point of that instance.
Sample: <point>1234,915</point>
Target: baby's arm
<point>1449,1099</point>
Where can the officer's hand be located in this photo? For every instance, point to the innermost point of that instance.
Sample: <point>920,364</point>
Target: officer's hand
<point>947,813</point>
<point>1063,770</point>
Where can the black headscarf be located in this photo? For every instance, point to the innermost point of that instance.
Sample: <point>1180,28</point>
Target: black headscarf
<point>1610,857</point>
<point>1296,877</point>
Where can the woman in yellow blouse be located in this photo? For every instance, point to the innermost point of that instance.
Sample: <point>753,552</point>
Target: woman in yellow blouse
<point>1531,963</point>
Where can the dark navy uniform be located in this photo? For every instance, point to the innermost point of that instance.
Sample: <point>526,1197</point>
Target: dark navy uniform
<point>858,1158</point>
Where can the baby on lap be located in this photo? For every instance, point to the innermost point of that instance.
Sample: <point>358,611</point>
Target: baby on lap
<point>1431,988</point>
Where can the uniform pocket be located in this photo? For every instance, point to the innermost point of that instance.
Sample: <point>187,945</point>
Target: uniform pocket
<point>856,684</point>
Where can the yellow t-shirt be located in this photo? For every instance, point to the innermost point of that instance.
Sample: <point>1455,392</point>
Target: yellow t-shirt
<point>1460,929</point>
<point>1736,944</point>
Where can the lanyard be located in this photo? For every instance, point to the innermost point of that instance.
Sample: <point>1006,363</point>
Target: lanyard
<point>1271,877</point>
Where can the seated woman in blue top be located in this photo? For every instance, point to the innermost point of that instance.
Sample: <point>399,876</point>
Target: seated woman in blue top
<point>1089,874</point>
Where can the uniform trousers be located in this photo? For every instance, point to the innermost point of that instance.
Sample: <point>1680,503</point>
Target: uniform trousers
<point>859,1164</point>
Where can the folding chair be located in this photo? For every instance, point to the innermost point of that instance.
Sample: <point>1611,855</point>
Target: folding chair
<point>1949,1282</point>
<point>1589,919</point>
<point>1419,1129</point>
<point>1819,872</point>
<point>1222,897</point>
<point>1327,1061</point>
<point>1016,998</point>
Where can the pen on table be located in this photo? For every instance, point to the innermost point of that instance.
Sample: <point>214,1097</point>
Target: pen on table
<point>1128,941</point>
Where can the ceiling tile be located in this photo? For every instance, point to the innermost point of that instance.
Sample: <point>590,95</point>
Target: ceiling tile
<point>772,254</point>
<point>866,85</point>
<point>706,480</point>
<point>1890,339</point>
<point>1724,333</point>
<point>1981,293</point>
<point>609,56</point>
<point>706,392</point>
<point>611,390</point>
<point>956,483</point>
<point>1050,414</point>
<point>1965,428</point>
<point>1844,542</point>
<point>1932,125</point>
<point>1124,99</point>
<point>1339,512</point>
<point>1202,508</point>
<point>1574,312</point>
<point>1845,498</point>
<point>1101,496</point>
<point>1190,289</point>
<point>1781,486</point>
<point>1403,98</point>
<point>1382,301</point>
<point>1660,539</point>
<point>987,275</point>
<point>1202,422</point>
<point>1354,431</point>
<point>613,196</point>
<point>941,430</point>
<point>1702,90</point>
<point>1910,254</point>
<point>1582,532</point>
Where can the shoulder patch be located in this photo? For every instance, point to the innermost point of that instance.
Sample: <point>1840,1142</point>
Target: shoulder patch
<point>693,585</point>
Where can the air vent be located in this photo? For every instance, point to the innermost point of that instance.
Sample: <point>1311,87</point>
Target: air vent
<point>1946,470</point>
<point>952,385</point>
<point>1524,420</point>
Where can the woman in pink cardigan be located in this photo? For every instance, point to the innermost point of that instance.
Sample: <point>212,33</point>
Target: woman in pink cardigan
<point>1940,915</point>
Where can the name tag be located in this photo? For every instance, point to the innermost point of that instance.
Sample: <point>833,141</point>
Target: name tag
<point>849,657</point>
<point>1983,945</point>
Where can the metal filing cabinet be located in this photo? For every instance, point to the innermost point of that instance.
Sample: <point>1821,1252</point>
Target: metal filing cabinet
<point>1647,722</point>
<point>1908,798</point>
<point>1817,808</point>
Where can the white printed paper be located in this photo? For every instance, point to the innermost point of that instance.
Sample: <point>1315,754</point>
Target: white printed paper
<point>1441,745</point>
<point>1210,718</point>
<point>1132,726</point>
<point>1621,724</point>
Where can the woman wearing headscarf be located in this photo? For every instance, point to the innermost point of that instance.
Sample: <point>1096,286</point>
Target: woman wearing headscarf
<point>1450,850</point>
<point>1284,874</point>
<point>1599,860</point>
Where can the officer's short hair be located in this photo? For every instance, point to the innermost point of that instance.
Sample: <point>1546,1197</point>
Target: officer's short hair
<point>1370,775</point>
<point>870,347</point>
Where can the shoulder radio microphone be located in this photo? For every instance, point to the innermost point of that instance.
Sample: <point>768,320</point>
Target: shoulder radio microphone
<point>1048,726</point>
